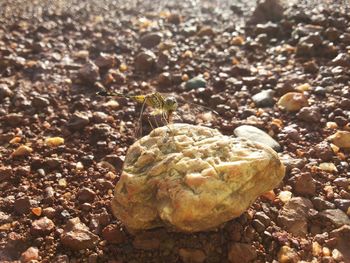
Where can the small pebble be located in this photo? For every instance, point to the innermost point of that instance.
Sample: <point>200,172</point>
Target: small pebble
<point>22,150</point>
<point>5,91</point>
<point>77,236</point>
<point>328,167</point>
<point>285,196</point>
<point>151,40</point>
<point>305,184</point>
<point>264,98</point>
<point>86,195</point>
<point>286,255</point>
<point>309,114</point>
<point>89,73</point>
<point>196,82</point>
<point>22,205</point>
<point>145,61</point>
<point>292,101</point>
<point>113,234</point>
<point>54,141</point>
<point>341,139</point>
<point>78,121</point>
<point>42,226</point>
<point>31,254</point>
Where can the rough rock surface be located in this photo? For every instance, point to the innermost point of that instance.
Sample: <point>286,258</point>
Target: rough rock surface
<point>333,216</point>
<point>42,226</point>
<point>77,236</point>
<point>294,215</point>
<point>89,72</point>
<point>192,178</point>
<point>30,255</point>
<point>342,237</point>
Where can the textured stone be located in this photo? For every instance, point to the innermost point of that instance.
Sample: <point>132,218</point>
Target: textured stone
<point>30,255</point>
<point>305,184</point>
<point>335,217</point>
<point>89,72</point>
<point>42,226</point>
<point>321,204</point>
<point>192,178</point>
<point>267,10</point>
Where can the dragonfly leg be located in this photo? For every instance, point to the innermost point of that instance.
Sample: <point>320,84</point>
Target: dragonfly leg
<point>150,123</point>
<point>138,132</point>
<point>165,118</point>
<point>155,120</point>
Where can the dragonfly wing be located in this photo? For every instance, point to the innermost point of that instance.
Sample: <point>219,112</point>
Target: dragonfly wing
<point>193,105</point>
<point>191,112</point>
<point>156,112</point>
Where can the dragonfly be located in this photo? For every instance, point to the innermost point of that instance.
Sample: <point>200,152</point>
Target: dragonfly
<point>165,106</point>
<point>161,105</point>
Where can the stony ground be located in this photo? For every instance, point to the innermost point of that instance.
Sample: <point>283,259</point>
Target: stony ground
<point>62,146</point>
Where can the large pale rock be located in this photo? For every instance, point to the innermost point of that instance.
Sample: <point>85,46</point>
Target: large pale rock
<point>192,178</point>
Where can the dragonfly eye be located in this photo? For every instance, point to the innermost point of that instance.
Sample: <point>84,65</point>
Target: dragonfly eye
<point>170,103</point>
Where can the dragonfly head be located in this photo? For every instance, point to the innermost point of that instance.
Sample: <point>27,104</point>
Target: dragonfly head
<point>102,93</point>
<point>170,104</point>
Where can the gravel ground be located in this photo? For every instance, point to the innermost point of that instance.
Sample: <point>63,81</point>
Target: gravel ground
<point>62,146</point>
